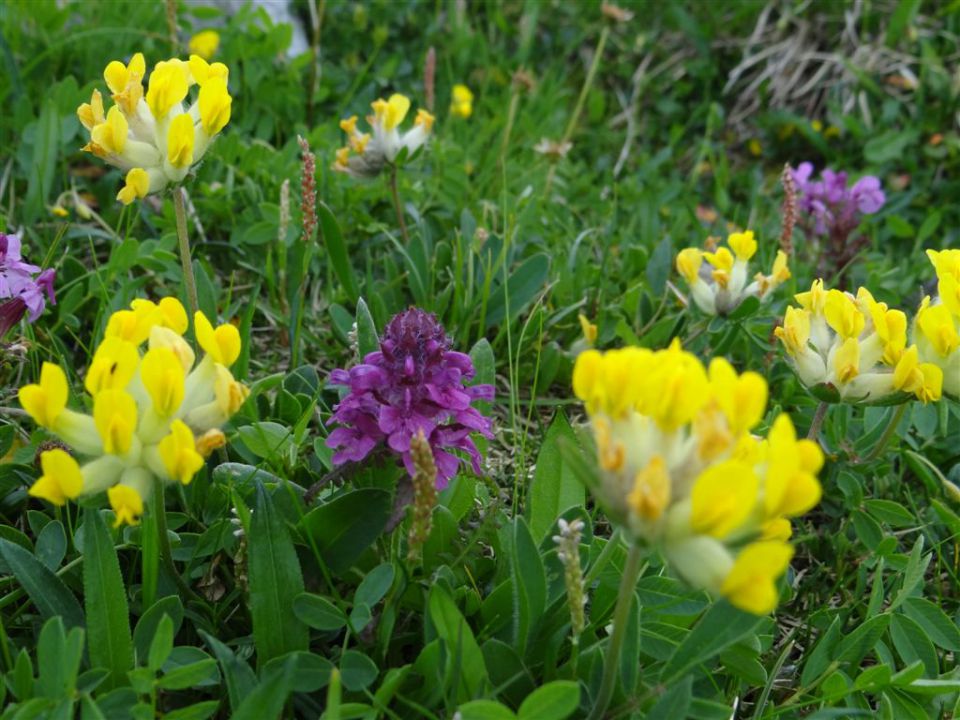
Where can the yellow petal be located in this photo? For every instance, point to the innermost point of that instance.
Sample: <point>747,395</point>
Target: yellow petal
<point>214,102</point>
<point>163,377</point>
<point>44,402</point>
<point>115,415</point>
<point>689,261</point>
<point>178,451</point>
<point>205,43</point>
<point>61,479</point>
<point>750,584</point>
<point>743,245</point>
<point>723,497</point>
<point>113,365</point>
<point>168,87</point>
<point>137,186</point>
<point>651,490</point>
<point>126,503</point>
<point>180,141</point>
<point>222,344</point>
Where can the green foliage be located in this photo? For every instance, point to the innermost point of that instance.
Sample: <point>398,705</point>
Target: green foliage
<point>285,591</point>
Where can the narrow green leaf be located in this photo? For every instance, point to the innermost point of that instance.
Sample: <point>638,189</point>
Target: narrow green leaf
<point>554,701</point>
<point>108,624</point>
<point>719,627</point>
<point>528,581</point>
<point>337,249</point>
<point>188,676</point>
<point>939,628</point>
<point>674,704</point>
<point>47,591</point>
<point>465,665</point>
<point>347,525</point>
<point>855,645</point>
<point>275,580</point>
<point>43,163</point>
<point>239,677</point>
<point>267,699</point>
<point>912,644</point>
<point>162,644</point>
<point>555,487</point>
<point>367,340</point>
<point>485,710</point>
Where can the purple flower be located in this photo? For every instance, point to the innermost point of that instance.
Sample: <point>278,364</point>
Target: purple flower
<point>415,382</point>
<point>22,283</point>
<point>834,208</point>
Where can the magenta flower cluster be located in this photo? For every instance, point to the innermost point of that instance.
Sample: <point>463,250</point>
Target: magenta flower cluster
<point>832,206</point>
<point>23,286</point>
<point>415,382</point>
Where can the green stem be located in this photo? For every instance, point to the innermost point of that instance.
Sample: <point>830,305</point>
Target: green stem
<point>888,434</point>
<point>166,552</point>
<point>578,108</point>
<point>611,661</point>
<point>185,260</point>
<point>818,417</point>
<point>398,208</point>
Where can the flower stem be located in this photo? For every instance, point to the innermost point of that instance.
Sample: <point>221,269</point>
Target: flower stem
<point>611,660</point>
<point>397,206</point>
<point>888,434</point>
<point>185,260</point>
<point>818,417</point>
<point>166,552</point>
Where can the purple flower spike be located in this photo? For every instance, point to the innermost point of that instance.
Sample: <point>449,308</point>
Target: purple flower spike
<point>415,382</point>
<point>834,208</point>
<point>22,283</point>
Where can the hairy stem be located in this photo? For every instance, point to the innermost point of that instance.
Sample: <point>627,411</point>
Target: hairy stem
<point>185,260</point>
<point>818,417</point>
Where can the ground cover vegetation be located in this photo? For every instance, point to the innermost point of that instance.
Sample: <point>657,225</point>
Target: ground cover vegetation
<point>523,359</point>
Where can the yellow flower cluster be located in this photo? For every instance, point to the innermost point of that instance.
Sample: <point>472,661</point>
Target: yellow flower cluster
<point>937,328</point>
<point>155,415</point>
<point>461,104</point>
<point>720,284</point>
<point>681,470</point>
<point>855,348</point>
<point>366,154</point>
<point>152,137</point>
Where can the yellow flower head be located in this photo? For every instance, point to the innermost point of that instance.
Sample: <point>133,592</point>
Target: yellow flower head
<point>201,70</point>
<point>44,402</point>
<point>111,134</point>
<point>113,365</point>
<point>126,503</point>
<point>677,389</point>
<point>588,328</point>
<point>723,497</point>
<point>92,114</point>
<point>791,487</point>
<point>843,315</point>
<point>222,344</point>
<point>180,141</point>
<point>750,584</point>
<point>61,479</point>
<point>938,327</point>
<point>795,332</point>
<point>846,361</point>
<point>743,245</point>
<point>168,87</point>
<point>925,380</point>
<point>115,415</point>
<point>814,300</point>
<point>390,113</point>
<point>689,261</point>
<point>205,43</point>
<point>163,377</point>
<point>742,398</point>
<point>214,102</point>
<point>137,186</point>
<point>179,453</point>
<point>462,103</point>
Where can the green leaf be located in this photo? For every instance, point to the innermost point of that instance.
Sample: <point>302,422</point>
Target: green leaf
<point>555,487</point>
<point>58,659</point>
<point>188,676</point>
<point>938,627</point>
<point>357,670</point>
<point>855,645</point>
<point>466,671</point>
<point>523,285</point>
<point>374,585</point>
<point>43,164</point>
<point>912,643</point>
<point>485,710</point>
<point>162,644</point>
<point>914,572</point>
<point>148,623</point>
<point>719,627</point>
<point>239,677</point>
<point>658,267</point>
<point>275,580</point>
<point>674,704</point>
<point>347,525</point>
<point>51,544</point>
<point>318,612</point>
<point>528,582</point>
<point>892,513</point>
<point>900,20</point>
<point>47,591</point>
<point>312,672</point>
<point>554,701</point>
<point>367,340</point>
<point>337,249</point>
<point>108,625</point>
<point>267,699</point>
<point>199,711</point>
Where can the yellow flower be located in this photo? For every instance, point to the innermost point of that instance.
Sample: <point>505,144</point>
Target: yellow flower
<point>168,87</point>
<point>163,377</point>
<point>938,327</point>
<point>847,360</point>
<point>791,487</point>
<point>45,401</point>
<point>795,332</point>
<point>118,76</point>
<point>180,141</point>
<point>462,103</point>
<point>126,503</point>
<point>750,585</point>
<point>214,102</point>
<point>222,344</point>
<point>814,300</point>
<point>651,490</point>
<point>723,498</point>
<point>115,414</point>
<point>113,365</point>
<point>111,134</point>
<point>205,43</point>
<point>742,398</point>
<point>137,186</point>
<point>179,453</point>
<point>689,261</point>
<point>743,245</point>
<point>391,112</point>
<point>91,114</point>
<point>588,328</point>
<point>61,479</point>
<point>925,380</point>
<point>843,315</point>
